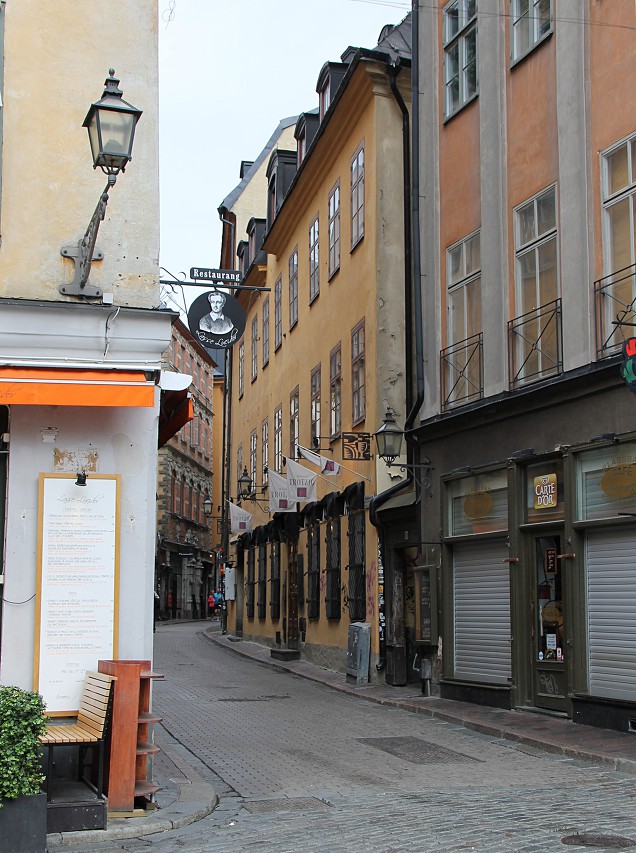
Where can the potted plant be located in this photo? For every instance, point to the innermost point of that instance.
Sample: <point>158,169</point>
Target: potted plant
<point>22,805</point>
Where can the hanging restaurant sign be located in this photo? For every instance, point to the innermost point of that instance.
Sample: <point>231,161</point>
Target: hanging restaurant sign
<point>356,445</point>
<point>217,276</point>
<point>216,319</point>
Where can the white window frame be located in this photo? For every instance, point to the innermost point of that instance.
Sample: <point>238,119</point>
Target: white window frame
<point>464,279</point>
<point>357,196</point>
<point>528,13</point>
<point>534,244</point>
<point>459,28</point>
<point>254,348</point>
<point>265,450</point>
<point>334,230</point>
<point>241,369</point>
<point>314,260</point>
<point>612,197</point>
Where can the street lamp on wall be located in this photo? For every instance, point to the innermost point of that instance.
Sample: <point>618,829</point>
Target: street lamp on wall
<point>111,124</point>
<point>207,507</point>
<point>388,440</point>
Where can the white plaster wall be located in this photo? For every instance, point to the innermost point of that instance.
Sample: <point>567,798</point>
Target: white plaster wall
<point>124,440</point>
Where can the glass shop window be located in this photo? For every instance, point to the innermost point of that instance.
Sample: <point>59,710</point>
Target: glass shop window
<point>478,504</point>
<point>606,482</point>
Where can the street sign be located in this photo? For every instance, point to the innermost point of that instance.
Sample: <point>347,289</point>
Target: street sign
<point>219,276</point>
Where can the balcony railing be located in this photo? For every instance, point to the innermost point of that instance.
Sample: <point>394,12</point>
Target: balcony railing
<point>462,372</point>
<point>535,345</point>
<point>615,305</point>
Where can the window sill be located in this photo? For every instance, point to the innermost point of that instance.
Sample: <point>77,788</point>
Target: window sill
<point>359,421</point>
<point>333,274</point>
<point>313,298</point>
<point>355,245</point>
<point>448,118</point>
<point>517,60</point>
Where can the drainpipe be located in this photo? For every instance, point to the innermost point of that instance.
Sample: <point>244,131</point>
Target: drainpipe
<point>412,285</point>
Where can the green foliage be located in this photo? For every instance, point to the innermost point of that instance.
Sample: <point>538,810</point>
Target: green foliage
<point>21,722</point>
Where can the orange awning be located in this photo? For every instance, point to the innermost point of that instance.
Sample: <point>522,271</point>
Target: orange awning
<point>177,408</point>
<point>40,386</point>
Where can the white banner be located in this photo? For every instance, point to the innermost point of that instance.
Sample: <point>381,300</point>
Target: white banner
<point>278,494</point>
<point>240,519</point>
<point>327,466</point>
<point>301,482</point>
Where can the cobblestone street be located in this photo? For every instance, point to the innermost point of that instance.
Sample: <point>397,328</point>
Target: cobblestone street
<point>300,767</point>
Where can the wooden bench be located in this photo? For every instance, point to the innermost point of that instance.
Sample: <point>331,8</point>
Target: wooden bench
<point>89,730</point>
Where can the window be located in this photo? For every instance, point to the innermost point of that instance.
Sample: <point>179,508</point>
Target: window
<point>262,580</point>
<point>278,313</point>
<point>335,380</point>
<point>249,586</point>
<point>264,449</point>
<point>536,251</point>
<point>313,572</point>
<point>357,374</point>
<point>463,276</point>
<point>460,54</point>
<point>314,261</point>
<point>531,22</point>
<point>315,407</point>
<point>357,197</point>
<point>187,499</point>
<point>253,447</point>
<point>254,348</point>
<point>293,288</point>
<point>332,569</point>
<point>266,331</point>
<point>175,493</point>
<point>618,174</point>
<point>278,439</point>
<point>461,361</point>
<point>357,574</point>
<point>334,230</point>
<point>293,423</point>
<point>239,463</point>
<point>241,369</point>
<point>274,587</point>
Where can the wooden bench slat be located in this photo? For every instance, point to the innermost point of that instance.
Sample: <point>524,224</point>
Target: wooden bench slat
<point>91,717</point>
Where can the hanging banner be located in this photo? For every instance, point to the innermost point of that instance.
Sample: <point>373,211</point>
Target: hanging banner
<point>216,319</point>
<point>327,466</point>
<point>278,494</point>
<point>240,519</point>
<point>301,482</point>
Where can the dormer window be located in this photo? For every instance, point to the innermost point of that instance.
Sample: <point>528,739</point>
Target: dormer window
<point>329,80</point>
<point>280,174</point>
<point>306,128</point>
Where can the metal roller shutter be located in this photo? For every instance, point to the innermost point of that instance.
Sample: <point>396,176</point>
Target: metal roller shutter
<point>611,602</point>
<point>482,611</point>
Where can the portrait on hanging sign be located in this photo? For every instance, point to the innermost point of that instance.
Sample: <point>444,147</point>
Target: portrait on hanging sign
<point>216,319</point>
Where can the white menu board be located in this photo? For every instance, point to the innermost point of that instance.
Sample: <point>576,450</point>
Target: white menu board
<point>78,584</point>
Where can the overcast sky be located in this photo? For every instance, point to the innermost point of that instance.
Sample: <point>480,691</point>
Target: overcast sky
<point>229,71</point>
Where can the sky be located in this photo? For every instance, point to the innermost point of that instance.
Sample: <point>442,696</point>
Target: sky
<point>230,70</point>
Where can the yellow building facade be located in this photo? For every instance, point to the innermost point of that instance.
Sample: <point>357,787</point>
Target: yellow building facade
<point>321,358</point>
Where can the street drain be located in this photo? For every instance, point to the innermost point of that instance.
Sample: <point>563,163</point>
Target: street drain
<point>416,750</point>
<point>287,804</point>
<point>590,839</point>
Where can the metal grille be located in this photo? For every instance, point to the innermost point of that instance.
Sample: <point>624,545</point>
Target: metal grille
<point>262,580</point>
<point>357,575</point>
<point>333,569</point>
<point>615,303</point>
<point>416,750</point>
<point>535,345</point>
<point>313,572</point>
<point>274,591</point>
<point>249,586</point>
<point>462,372</point>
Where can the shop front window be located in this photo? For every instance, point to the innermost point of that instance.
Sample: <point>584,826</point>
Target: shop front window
<point>478,504</point>
<point>606,482</point>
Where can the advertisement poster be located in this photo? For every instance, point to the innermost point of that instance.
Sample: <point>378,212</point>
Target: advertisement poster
<point>78,581</point>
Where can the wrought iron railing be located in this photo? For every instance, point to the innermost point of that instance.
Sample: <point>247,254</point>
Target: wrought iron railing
<point>535,345</point>
<point>615,309</point>
<point>462,372</point>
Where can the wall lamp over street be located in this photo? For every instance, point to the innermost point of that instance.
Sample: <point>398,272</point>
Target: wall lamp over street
<point>246,487</point>
<point>388,440</point>
<point>207,507</point>
<point>111,124</point>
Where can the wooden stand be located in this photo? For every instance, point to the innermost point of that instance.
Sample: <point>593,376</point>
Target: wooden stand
<point>126,777</point>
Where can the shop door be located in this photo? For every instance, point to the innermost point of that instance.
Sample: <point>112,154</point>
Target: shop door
<point>292,599</point>
<point>547,628</point>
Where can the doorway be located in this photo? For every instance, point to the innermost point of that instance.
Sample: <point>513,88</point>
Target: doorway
<point>548,631</point>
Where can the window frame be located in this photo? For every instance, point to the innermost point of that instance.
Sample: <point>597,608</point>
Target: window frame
<point>278,313</point>
<point>335,392</point>
<point>265,450</point>
<point>254,347</point>
<point>537,37</point>
<point>241,369</point>
<point>358,389</point>
<point>466,279</point>
<point>278,438</point>
<point>253,455</point>
<point>314,259</point>
<point>315,411</point>
<point>334,229</point>
<point>357,196</point>
<point>265,331</point>
<point>459,40</point>
<point>294,422</point>
<point>293,288</point>
<point>534,245</point>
